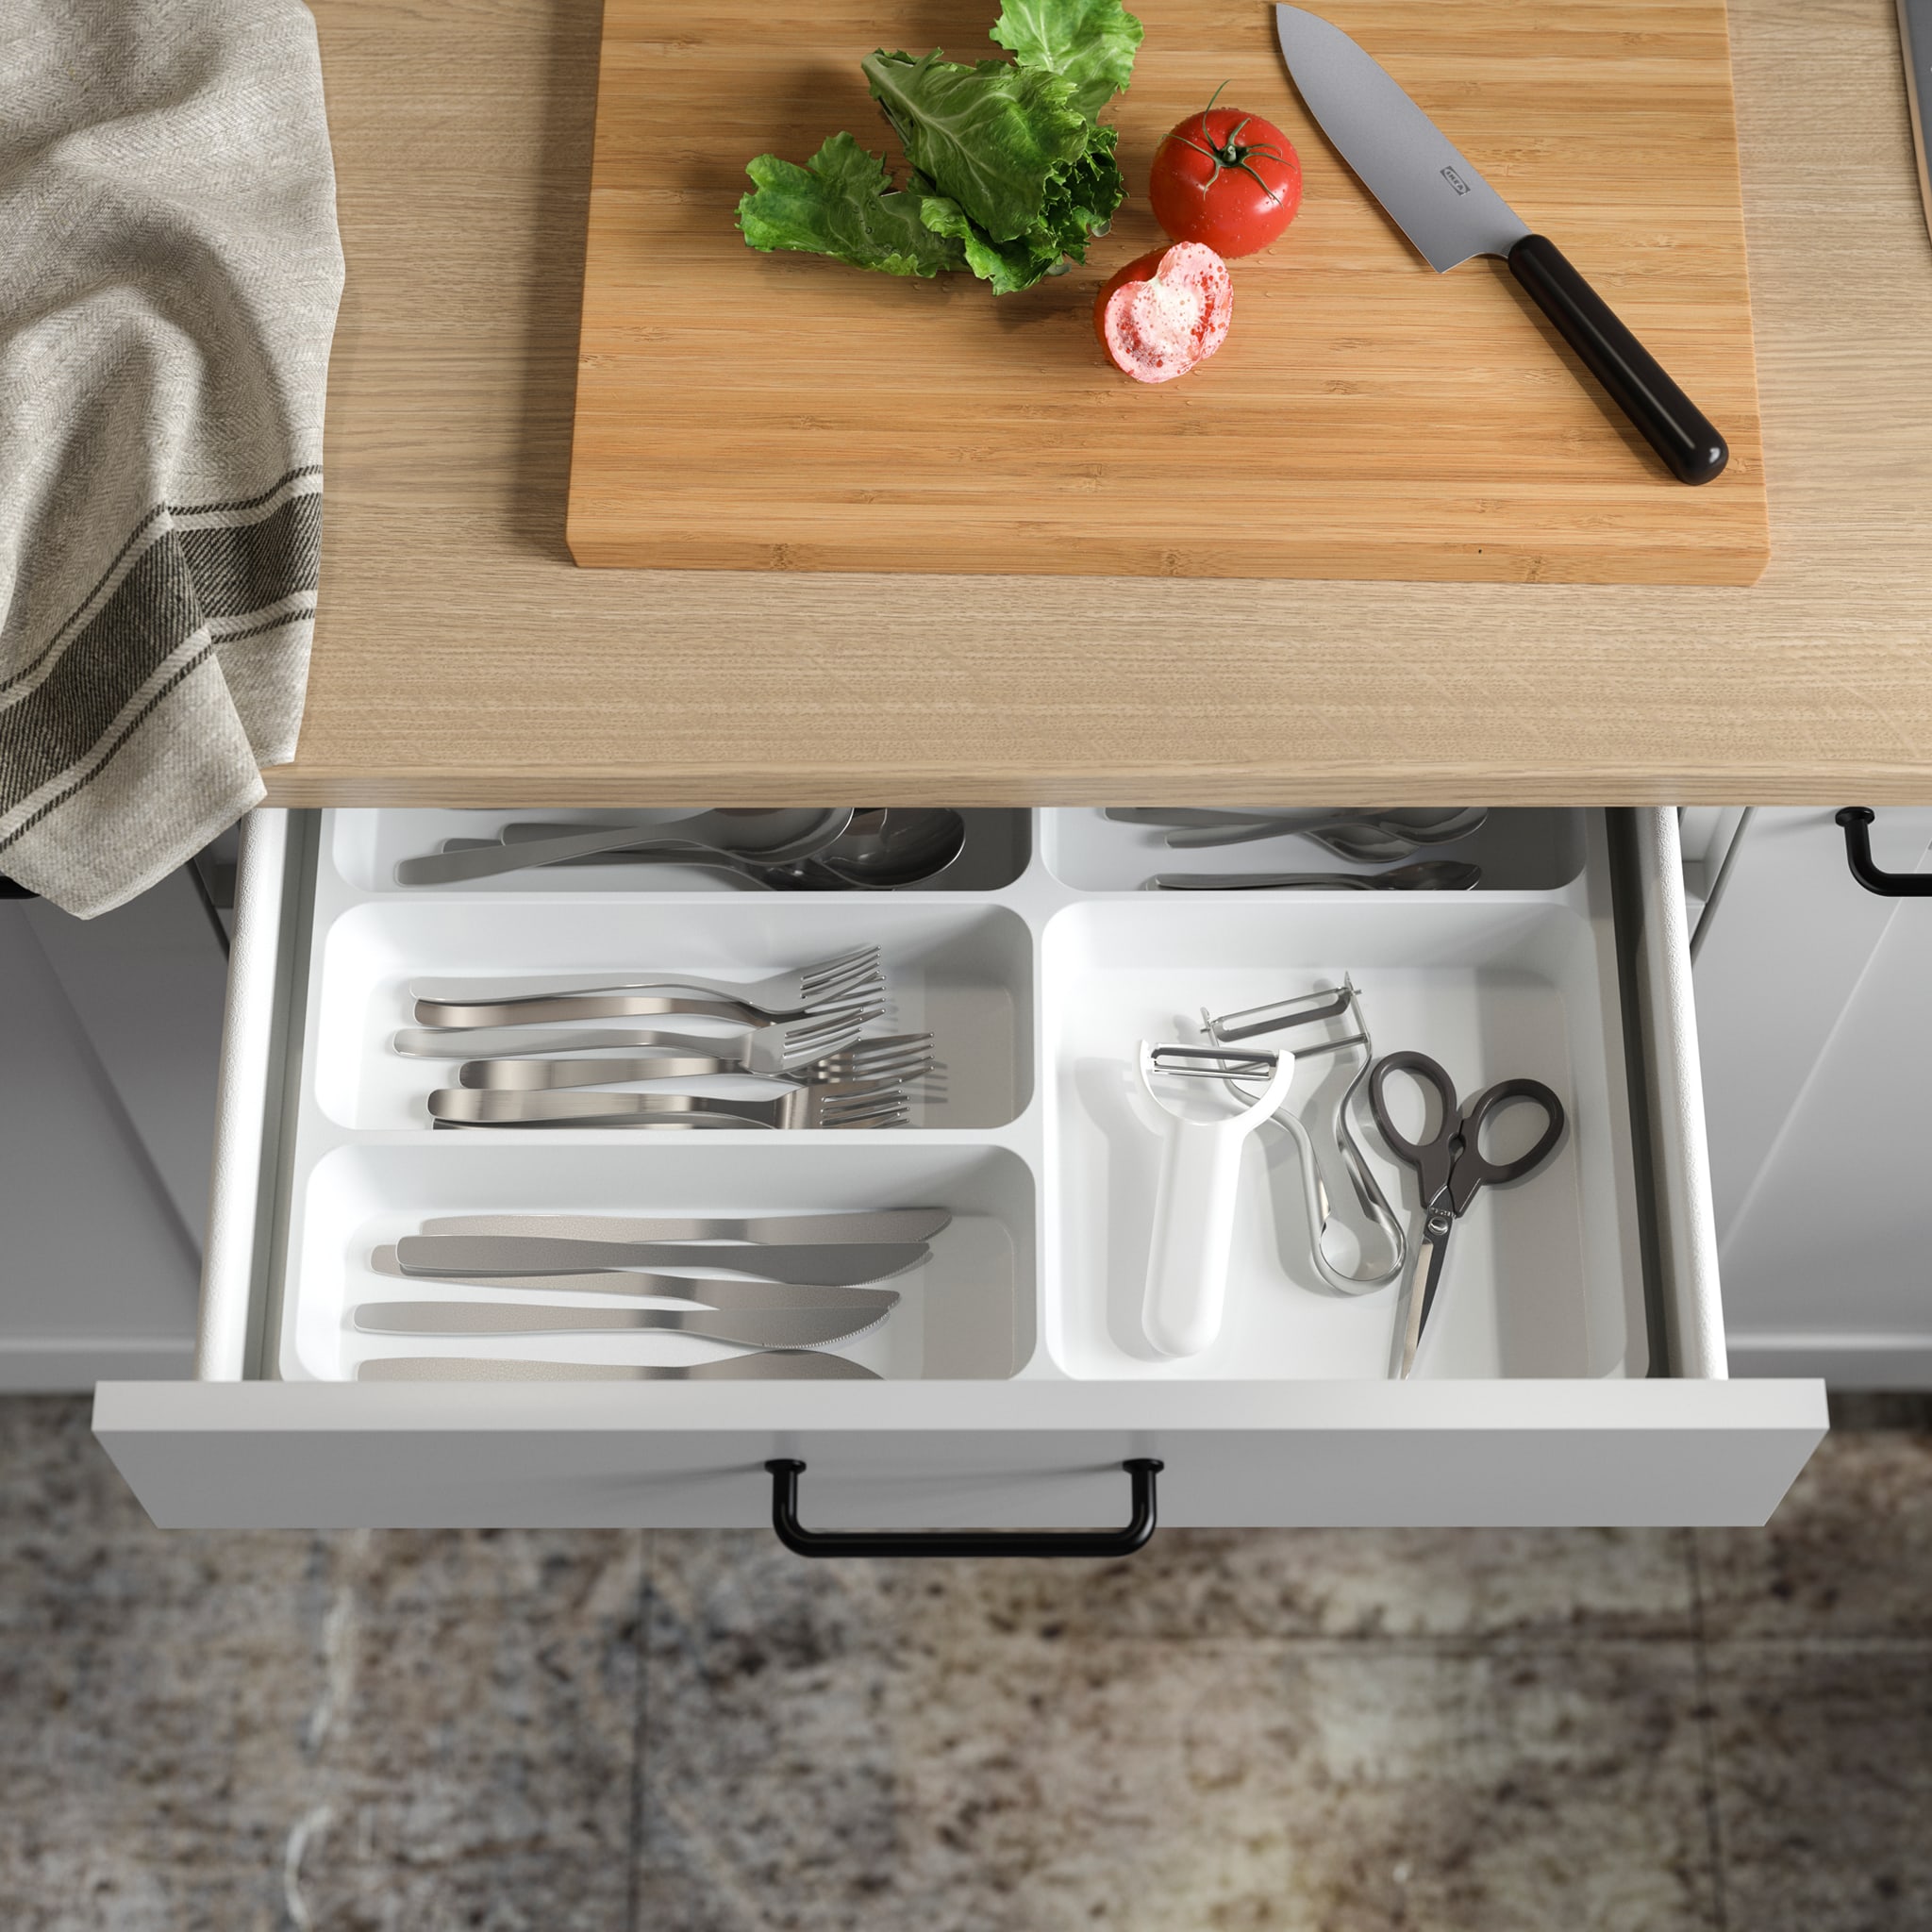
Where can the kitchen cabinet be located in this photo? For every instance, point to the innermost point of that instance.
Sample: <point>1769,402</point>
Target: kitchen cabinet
<point>524,680</point>
<point>1581,1380</point>
<point>1812,1001</point>
<point>110,1036</point>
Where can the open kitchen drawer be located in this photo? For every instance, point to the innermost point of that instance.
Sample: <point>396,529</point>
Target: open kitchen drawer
<point>1576,1376</point>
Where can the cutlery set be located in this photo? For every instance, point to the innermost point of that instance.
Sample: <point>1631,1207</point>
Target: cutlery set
<point>798,1048</point>
<point>781,1286</point>
<point>1221,1201</point>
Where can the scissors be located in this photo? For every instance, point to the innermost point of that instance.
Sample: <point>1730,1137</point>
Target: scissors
<point>1454,1169</point>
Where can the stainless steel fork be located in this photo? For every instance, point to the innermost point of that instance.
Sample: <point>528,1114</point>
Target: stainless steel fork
<point>773,1049</point>
<point>837,1104</point>
<point>895,1057</point>
<point>843,980</point>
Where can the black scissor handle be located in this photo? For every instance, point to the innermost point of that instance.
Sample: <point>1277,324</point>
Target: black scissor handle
<point>1431,1157</point>
<point>1474,1168</point>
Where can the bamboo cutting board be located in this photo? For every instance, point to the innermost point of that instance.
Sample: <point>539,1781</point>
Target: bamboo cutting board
<point>1366,418</point>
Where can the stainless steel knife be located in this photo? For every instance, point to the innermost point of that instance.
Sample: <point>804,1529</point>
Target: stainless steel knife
<point>710,1291</point>
<point>877,1224</point>
<point>1915,40</point>
<point>819,1265</point>
<point>769,1365</point>
<point>1451,213</point>
<point>761,1328</point>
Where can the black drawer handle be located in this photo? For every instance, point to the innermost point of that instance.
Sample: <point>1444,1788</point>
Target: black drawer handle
<point>1857,820</point>
<point>786,1470</point>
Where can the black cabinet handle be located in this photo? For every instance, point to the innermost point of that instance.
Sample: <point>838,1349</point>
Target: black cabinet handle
<point>784,1472</point>
<point>1671,423</point>
<point>1857,821</point>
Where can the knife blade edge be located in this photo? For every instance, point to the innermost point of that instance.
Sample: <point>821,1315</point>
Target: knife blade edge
<point>858,1227</point>
<point>1425,184</point>
<point>761,1328</point>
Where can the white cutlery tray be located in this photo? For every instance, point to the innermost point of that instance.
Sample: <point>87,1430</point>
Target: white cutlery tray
<point>1039,992</point>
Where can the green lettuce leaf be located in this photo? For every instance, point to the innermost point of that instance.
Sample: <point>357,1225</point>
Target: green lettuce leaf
<point>990,137</point>
<point>1080,203</point>
<point>1009,266</point>
<point>842,203</point>
<point>1088,43</point>
<point>1011,173</point>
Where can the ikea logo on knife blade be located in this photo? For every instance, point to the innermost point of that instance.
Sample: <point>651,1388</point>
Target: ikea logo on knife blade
<point>1456,180</point>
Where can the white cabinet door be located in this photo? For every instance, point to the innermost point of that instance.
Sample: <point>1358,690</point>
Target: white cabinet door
<point>109,1036</point>
<point>1814,1000</point>
<point>1031,979</point>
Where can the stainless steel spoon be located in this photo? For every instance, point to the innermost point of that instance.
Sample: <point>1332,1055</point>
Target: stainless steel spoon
<point>882,849</point>
<point>719,838</point>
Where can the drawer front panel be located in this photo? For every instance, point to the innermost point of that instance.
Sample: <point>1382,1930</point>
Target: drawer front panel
<point>947,1455</point>
<point>320,1163</point>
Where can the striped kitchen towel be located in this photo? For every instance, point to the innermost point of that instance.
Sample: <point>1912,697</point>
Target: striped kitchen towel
<point>169,275</point>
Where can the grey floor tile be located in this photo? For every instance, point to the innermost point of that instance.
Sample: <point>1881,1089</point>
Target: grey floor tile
<point>266,1731</point>
<point>58,1490</point>
<point>1881,1408</point>
<point>1848,1554</point>
<point>1824,1779</point>
<point>840,1745</point>
<point>475,1744</point>
<point>1207,1586</point>
<point>153,1693</point>
<point>1192,1586</point>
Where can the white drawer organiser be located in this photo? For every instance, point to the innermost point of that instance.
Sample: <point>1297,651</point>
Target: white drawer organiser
<point>1573,1373</point>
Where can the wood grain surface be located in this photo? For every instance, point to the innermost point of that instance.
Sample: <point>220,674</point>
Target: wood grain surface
<point>461,657</point>
<point>1366,418</point>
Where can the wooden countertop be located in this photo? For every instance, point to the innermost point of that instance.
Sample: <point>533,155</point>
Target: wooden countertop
<point>461,659</point>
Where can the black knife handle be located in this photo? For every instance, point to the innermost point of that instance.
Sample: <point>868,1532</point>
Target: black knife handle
<point>1671,423</point>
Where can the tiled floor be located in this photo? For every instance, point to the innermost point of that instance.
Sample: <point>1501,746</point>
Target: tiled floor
<point>1320,1732</point>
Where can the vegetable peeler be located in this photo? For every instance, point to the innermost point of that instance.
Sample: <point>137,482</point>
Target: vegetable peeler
<point>1194,1208</point>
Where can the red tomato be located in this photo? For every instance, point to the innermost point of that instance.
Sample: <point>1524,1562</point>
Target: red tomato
<point>1227,179</point>
<point>1164,313</point>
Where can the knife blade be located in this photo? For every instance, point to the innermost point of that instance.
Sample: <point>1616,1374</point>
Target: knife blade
<point>813,1264</point>
<point>712,1291</point>
<point>764,1328</point>
<point>876,1224</point>
<point>1450,214</point>
<point>770,1365</point>
<point>1915,40</point>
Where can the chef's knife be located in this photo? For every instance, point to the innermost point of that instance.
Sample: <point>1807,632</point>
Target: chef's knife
<point>822,1264</point>
<point>760,1329</point>
<point>769,1365</point>
<point>1915,38</point>
<point>1451,213</point>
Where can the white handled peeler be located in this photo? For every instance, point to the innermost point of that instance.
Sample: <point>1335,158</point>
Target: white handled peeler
<point>1194,1208</point>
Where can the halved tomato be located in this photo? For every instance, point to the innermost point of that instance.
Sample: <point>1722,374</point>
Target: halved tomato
<point>1165,312</point>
